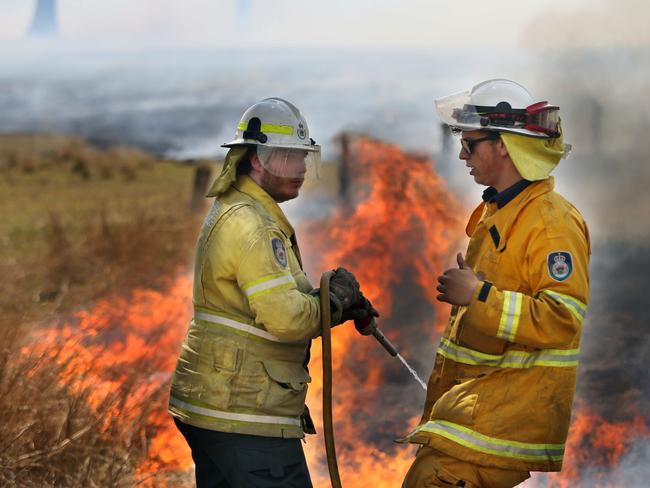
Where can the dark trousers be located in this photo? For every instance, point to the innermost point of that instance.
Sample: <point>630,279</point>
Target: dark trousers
<point>225,460</point>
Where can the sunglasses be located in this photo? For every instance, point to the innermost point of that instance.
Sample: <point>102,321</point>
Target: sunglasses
<point>470,144</point>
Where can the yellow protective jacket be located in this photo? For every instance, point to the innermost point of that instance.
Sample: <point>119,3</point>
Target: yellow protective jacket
<point>502,387</point>
<point>242,366</point>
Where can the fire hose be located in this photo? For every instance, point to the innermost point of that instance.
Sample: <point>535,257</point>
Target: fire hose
<point>365,327</point>
<point>328,426</point>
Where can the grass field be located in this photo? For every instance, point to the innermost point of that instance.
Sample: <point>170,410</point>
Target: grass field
<point>83,226</point>
<point>77,224</point>
<point>78,221</point>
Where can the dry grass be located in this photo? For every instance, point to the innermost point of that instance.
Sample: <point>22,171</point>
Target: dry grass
<point>34,153</point>
<point>50,436</point>
<point>78,223</point>
<point>66,238</point>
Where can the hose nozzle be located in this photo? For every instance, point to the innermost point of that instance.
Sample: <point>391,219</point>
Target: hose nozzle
<point>368,326</point>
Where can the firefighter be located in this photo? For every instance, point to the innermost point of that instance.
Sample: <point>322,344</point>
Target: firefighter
<point>499,398</point>
<point>238,391</point>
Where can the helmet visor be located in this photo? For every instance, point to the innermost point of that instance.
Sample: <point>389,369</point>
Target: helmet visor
<point>291,163</point>
<point>456,111</point>
<point>539,119</point>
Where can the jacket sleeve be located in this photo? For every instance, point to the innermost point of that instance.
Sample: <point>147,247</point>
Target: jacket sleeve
<point>550,316</point>
<point>264,276</point>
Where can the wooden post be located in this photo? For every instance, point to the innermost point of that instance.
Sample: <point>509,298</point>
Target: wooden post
<point>446,141</point>
<point>344,168</point>
<point>200,187</point>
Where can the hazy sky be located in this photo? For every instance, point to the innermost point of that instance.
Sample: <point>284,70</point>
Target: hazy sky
<point>423,23</point>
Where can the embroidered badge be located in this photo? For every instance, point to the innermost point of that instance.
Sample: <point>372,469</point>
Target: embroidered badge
<point>560,265</point>
<point>279,252</point>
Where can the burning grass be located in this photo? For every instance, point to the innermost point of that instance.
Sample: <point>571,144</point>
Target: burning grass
<point>82,394</point>
<point>84,404</point>
<point>84,399</point>
<point>399,235</point>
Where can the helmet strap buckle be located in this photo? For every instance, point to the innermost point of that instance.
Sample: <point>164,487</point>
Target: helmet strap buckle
<point>253,131</point>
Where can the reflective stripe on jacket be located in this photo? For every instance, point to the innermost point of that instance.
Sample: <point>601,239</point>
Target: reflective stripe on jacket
<point>242,366</point>
<point>504,377</point>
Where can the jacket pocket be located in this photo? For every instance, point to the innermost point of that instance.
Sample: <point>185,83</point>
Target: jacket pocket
<point>186,372</point>
<point>225,361</point>
<point>457,406</point>
<point>251,384</point>
<point>287,388</point>
<point>500,270</point>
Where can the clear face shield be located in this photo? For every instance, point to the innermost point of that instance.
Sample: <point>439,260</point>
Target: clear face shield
<point>539,119</point>
<point>449,110</point>
<point>294,163</point>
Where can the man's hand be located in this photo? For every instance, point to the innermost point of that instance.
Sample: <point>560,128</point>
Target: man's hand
<point>345,287</point>
<point>456,285</point>
<point>362,312</point>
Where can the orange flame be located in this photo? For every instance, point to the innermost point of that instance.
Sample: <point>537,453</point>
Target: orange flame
<point>596,445</point>
<point>397,239</point>
<point>127,347</point>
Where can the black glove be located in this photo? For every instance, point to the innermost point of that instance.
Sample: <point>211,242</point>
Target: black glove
<point>361,312</point>
<point>335,314</point>
<point>344,289</point>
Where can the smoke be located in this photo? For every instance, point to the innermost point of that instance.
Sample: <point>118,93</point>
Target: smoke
<point>596,66</point>
<point>601,24</point>
<point>614,378</point>
<point>244,8</point>
<point>633,470</point>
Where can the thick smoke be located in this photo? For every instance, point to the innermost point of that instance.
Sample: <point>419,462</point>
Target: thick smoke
<point>601,77</point>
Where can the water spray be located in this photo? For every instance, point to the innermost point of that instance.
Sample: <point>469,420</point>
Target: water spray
<point>369,327</point>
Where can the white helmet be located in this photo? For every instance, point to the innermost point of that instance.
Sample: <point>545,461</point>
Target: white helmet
<point>499,105</point>
<point>280,133</point>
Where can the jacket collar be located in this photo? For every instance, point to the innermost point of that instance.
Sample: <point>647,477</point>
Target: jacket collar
<point>247,185</point>
<point>502,218</point>
<point>491,195</point>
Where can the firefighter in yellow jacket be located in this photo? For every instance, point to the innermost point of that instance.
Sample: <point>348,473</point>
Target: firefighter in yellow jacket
<point>238,391</point>
<point>499,398</point>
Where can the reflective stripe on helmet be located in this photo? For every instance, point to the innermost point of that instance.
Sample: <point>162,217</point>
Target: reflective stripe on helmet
<point>575,306</point>
<point>190,408</point>
<point>510,315</point>
<point>270,128</point>
<point>269,284</point>
<point>491,445</point>
<point>556,358</point>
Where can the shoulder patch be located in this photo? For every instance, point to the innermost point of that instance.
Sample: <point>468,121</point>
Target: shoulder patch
<point>559,265</point>
<point>279,252</point>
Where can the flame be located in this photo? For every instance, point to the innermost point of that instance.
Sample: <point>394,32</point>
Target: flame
<point>406,223</point>
<point>596,445</point>
<point>120,355</point>
<point>404,229</point>
<point>396,239</point>
<point>399,236</point>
